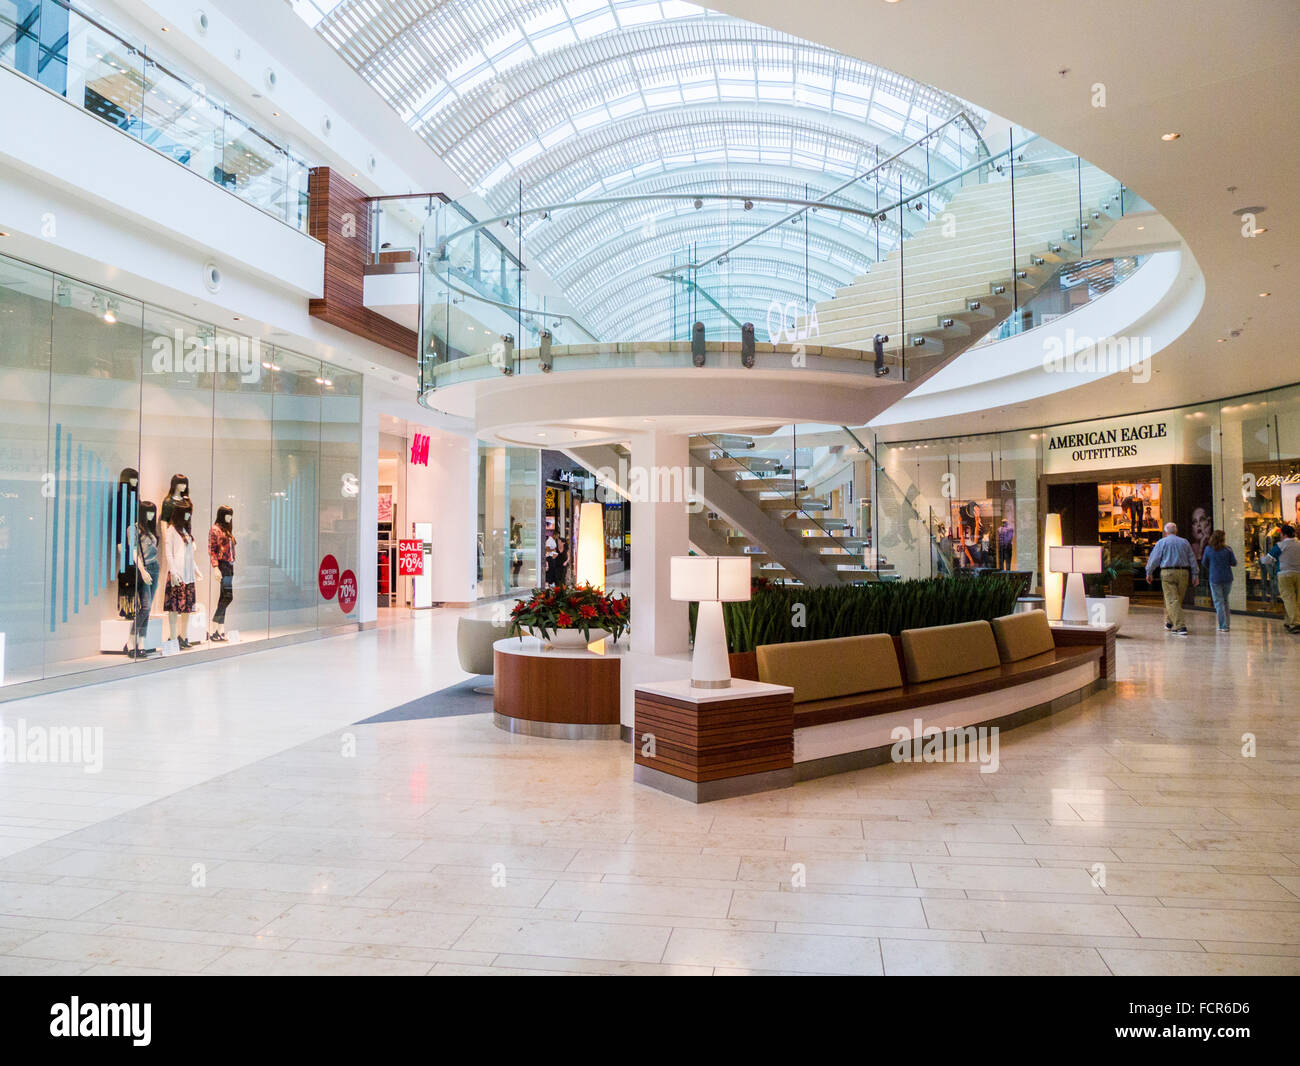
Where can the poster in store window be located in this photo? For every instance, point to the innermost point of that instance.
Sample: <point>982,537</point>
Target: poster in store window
<point>1291,504</point>
<point>410,558</point>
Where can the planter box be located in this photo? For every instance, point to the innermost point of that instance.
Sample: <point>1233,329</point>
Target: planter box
<point>1108,610</point>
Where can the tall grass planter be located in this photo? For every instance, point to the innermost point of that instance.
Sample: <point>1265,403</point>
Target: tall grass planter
<point>773,615</point>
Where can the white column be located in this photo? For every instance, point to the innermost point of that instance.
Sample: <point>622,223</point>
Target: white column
<point>445,494</point>
<point>1231,515</point>
<point>658,475</point>
<point>368,513</point>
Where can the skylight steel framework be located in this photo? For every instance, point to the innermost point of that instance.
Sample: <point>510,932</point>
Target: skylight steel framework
<point>573,100</point>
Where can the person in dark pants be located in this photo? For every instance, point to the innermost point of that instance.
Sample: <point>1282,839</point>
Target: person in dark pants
<point>1006,536</point>
<point>1218,560</point>
<point>557,566</point>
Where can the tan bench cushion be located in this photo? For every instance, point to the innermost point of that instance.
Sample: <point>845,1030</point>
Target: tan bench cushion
<point>1020,636</point>
<point>823,669</point>
<point>945,651</point>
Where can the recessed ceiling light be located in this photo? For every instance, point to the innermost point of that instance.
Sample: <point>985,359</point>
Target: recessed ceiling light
<point>1170,136</point>
<point>1141,227</point>
<point>1260,229</point>
<point>1222,340</point>
<point>1263,294</point>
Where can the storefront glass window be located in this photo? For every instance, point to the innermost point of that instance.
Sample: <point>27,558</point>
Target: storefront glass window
<point>118,415</point>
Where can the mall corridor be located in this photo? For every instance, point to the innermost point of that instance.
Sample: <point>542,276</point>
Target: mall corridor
<point>251,821</point>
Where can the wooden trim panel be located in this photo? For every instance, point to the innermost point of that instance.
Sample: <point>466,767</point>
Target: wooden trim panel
<point>339,217</point>
<point>715,740</point>
<point>570,690</point>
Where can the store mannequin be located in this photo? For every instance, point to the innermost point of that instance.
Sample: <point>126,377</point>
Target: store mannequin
<point>221,551</point>
<point>125,507</point>
<point>177,493</point>
<point>145,566</point>
<point>182,574</point>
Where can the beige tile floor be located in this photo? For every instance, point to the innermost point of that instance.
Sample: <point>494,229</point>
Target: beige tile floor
<point>231,833</point>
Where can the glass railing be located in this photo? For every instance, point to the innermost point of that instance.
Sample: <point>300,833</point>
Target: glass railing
<point>71,51</point>
<point>887,275</point>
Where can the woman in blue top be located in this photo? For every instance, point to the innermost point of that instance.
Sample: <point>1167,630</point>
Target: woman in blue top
<point>1219,561</point>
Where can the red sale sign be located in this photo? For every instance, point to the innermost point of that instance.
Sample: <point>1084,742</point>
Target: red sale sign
<point>328,577</point>
<point>410,558</point>
<point>347,591</point>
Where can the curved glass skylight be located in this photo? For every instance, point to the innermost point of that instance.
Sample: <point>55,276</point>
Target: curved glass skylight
<point>577,99</point>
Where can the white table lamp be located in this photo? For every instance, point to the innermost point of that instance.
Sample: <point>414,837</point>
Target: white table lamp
<point>1075,561</point>
<point>709,580</point>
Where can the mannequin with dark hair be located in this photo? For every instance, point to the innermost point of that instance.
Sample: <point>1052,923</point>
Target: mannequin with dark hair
<point>145,565</point>
<point>122,512</point>
<point>221,551</point>
<point>177,492</point>
<point>181,572</point>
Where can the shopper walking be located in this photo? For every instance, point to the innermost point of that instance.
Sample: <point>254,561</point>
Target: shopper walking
<point>1288,577</point>
<point>1218,560</point>
<point>1174,558</point>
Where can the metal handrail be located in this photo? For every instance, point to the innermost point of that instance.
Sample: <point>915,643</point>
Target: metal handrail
<point>821,201</point>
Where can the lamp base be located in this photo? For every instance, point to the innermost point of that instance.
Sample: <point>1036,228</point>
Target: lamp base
<point>710,667</point>
<point>1075,608</point>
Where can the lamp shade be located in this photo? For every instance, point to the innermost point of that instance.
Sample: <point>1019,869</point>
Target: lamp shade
<point>1074,559</point>
<point>709,577</point>
<point>590,568</point>
<point>1053,583</point>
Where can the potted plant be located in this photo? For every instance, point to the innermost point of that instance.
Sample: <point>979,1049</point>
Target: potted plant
<point>1105,608</point>
<point>570,616</point>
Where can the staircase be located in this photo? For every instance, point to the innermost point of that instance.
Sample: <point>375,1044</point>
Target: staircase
<point>794,543</point>
<point>963,273</point>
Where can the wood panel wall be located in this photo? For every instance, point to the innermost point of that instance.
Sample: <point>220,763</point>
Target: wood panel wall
<point>331,200</point>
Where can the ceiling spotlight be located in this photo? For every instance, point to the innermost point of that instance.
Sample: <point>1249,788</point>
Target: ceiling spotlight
<point>698,203</point>
<point>1263,294</point>
<point>1170,136</point>
<point>1260,229</point>
<point>110,311</point>
<point>749,205</point>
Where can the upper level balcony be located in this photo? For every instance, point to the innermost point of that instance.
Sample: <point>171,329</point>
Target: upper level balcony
<point>880,280</point>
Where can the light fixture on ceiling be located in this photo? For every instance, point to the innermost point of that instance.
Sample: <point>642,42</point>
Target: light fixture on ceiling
<point>1170,136</point>
<point>1263,294</point>
<point>698,203</point>
<point>749,205</point>
<point>110,311</point>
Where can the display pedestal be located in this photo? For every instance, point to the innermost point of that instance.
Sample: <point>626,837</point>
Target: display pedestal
<point>562,693</point>
<point>115,635</point>
<point>705,744</point>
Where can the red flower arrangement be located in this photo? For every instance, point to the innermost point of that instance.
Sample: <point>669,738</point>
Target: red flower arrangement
<point>581,607</point>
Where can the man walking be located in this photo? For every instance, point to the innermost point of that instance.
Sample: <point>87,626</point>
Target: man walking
<point>1288,577</point>
<point>1173,557</point>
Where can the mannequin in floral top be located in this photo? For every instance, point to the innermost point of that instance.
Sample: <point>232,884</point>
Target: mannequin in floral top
<point>221,550</point>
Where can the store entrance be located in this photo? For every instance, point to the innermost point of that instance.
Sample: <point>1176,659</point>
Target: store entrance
<point>1124,513</point>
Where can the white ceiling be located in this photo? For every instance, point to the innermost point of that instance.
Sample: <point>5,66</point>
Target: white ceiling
<point>1226,76</point>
